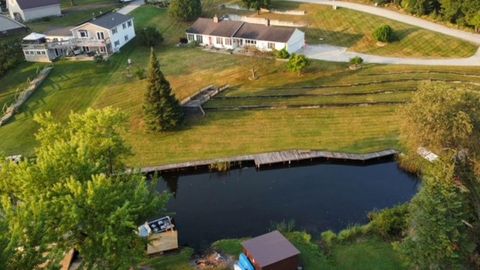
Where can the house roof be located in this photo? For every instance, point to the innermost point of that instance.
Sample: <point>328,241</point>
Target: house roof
<point>26,4</point>
<point>7,24</point>
<point>34,36</point>
<point>207,26</point>
<point>270,248</point>
<point>226,28</point>
<point>263,32</point>
<point>60,32</point>
<point>110,20</point>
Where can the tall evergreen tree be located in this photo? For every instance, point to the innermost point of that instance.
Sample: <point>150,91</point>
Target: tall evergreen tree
<point>162,109</point>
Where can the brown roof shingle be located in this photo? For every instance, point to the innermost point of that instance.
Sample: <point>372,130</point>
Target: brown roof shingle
<point>270,248</point>
<point>26,4</point>
<point>226,28</point>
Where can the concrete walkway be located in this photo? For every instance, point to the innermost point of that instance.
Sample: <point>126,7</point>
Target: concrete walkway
<point>340,54</point>
<point>393,15</point>
<point>131,7</point>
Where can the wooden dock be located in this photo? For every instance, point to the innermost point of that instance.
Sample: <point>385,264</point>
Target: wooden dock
<point>162,242</point>
<point>280,157</point>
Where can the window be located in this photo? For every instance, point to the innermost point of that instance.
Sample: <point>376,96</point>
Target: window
<point>271,45</point>
<point>219,40</point>
<point>249,42</point>
<point>190,37</point>
<point>102,49</point>
<point>126,37</point>
<point>100,35</point>
<point>124,25</point>
<point>129,23</point>
<point>228,41</point>
<point>117,43</point>
<point>114,30</point>
<point>43,52</point>
<point>83,33</point>
<point>200,38</point>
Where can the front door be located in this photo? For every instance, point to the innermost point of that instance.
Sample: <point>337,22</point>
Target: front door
<point>210,42</point>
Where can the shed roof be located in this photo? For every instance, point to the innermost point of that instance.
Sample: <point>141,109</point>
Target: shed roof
<point>227,28</point>
<point>26,4</point>
<point>110,20</point>
<point>270,248</point>
<point>7,24</point>
<point>61,32</point>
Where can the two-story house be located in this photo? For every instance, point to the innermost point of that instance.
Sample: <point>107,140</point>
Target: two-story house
<point>105,34</point>
<point>27,10</point>
<point>102,35</point>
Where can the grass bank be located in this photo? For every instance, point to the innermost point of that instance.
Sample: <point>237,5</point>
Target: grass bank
<point>75,86</point>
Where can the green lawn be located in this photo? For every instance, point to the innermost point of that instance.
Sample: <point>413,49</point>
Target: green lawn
<point>83,11</point>
<point>353,29</point>
<point>75,86</point>
<point>175,261</point>
<point>363,253</point>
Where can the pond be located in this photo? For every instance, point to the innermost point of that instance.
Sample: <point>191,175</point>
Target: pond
<point>247,202</point>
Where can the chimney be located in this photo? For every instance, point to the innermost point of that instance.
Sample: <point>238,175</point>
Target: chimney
<point>267,22</point>
<point>215,19</point>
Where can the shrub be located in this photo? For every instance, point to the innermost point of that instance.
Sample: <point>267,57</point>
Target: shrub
<point>390,223</point>
<point>352,232</point>
<point>383,33</point>
<point>328,238</point>
<point>220,166</point>
<point>149,36</point>
<point>297,63</point>
<point>357,60</point>
<point>282,54</point>
<point>140,73</point>
<point>10,55</point>
<point>98,58</point>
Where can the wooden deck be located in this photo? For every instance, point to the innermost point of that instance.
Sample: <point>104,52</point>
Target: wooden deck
<point>162,242</point>
<point>276,158</point>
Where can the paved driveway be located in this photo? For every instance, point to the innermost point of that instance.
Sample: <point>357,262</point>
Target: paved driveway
<point>340,54</point>
<point>393,15</point>
<point>131,7</point>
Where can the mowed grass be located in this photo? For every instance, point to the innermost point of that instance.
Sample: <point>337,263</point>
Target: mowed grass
<point>353,29</point>
<point>16,80</point>
<point>71,16</point>
<point>75,86</point>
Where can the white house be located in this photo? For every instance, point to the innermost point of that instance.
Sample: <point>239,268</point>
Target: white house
<point>27,10</point>
<point>229,34</point>
<point>103,35</point>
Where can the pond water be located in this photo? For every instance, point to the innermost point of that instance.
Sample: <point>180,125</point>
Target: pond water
<point>246,202</point>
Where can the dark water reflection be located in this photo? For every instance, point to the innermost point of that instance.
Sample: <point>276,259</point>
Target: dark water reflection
<point>245,202</point>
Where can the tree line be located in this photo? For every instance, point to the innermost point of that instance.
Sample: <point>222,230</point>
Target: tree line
<point>461,12</point>
<point>10,55</point>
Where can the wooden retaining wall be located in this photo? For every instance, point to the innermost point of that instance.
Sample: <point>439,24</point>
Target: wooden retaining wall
<point>34,85</point>
<point>272,158</point>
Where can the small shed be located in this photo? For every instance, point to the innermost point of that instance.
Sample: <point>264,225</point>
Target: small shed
<point>272,251</point>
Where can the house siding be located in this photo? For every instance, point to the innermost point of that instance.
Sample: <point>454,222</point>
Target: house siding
<point>120,35</point>
<point>295,43</point>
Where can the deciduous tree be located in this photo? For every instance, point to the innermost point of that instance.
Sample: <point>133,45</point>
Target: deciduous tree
<point>76,194</point>
<point>185,10</point>
<point>439,233</point>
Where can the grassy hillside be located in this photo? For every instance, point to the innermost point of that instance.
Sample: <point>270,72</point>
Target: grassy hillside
<point>74,86</point>
<point>353,29</point>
